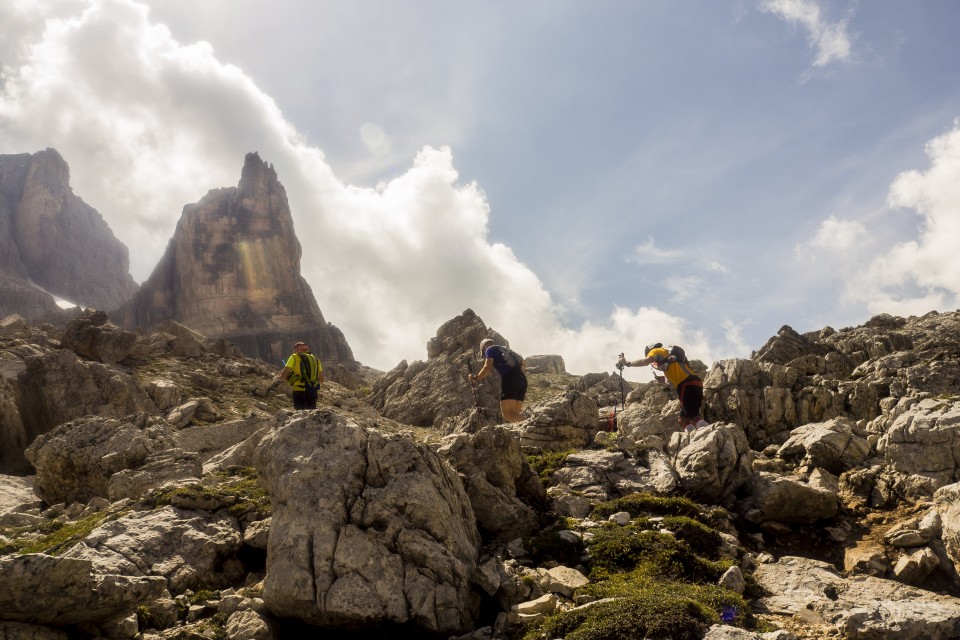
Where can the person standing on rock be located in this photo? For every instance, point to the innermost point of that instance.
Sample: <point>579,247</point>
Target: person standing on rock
<point>304,373</point>
<point>677,370</point>
<point>513,383</point>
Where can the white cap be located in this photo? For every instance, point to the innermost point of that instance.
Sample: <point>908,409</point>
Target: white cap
<point>486,342</point>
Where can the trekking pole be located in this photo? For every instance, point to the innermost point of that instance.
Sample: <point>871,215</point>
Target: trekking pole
<point>612,422</point>
<point>473,383</point>
<point>623,402</point>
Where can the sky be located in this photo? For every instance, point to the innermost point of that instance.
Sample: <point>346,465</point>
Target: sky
<point>588,177</point>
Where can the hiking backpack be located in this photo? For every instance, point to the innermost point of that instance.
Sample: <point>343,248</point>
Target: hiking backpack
<point>309,370</point>
<point>511,357</point>
<point>677,354</point>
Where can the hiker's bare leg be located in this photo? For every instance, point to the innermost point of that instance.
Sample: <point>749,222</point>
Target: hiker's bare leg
<point>511,410</point>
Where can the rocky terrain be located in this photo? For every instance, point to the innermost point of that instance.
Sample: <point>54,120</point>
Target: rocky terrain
<point>157,485</point>
<point>52,242</point>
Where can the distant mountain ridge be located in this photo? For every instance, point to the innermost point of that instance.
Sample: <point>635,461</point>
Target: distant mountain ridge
<point>52,242</point>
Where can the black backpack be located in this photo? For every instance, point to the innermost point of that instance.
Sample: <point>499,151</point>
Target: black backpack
<point>675,354</point>
<point>511,357</point>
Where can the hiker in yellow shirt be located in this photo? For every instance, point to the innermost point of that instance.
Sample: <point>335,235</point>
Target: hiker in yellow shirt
<point>304,373</point>
<point>677,371</point>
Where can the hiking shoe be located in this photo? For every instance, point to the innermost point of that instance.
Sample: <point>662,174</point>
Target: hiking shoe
<point>702,423</point>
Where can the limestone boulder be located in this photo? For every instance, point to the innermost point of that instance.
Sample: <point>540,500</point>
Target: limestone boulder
<point>550,364</point>
<point>15,491</point>
<point>861,606</point>
<point>790,499</point>
<point>613,393</point>
<point>925,441</point>
<point>368,528</point>
<point>241,454</point>
<point>712,462</point>
<point>161,468</point>
<point>882,487</point>
<point>42,589</point>
<point>769,397</point>
<point>209,440</point>
<point>92,336</point>
<point>600,475</point>
<point>651,410</point>
<point>187,548</point>
<point>565,421</point>
<point>759,397</point>
<point>788,346</point>
<point>834,445</point>
<point>247,624</point>
<point>26,631</point>
<point>58,386</point>
<point>501,485</point>
<point>165,394</point>
<point>13,435</point>
<point>75,462</point>
<point>947,507</point>
<point>915,566</point>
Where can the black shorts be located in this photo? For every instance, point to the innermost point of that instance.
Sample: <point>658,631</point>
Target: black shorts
<point>691,396</point>
<point>305,400</point>
<point>513,386</point>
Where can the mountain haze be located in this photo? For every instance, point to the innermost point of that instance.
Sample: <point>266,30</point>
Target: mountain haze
<point>52,242</point>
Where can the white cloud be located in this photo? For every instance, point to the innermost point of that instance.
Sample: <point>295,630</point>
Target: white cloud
<point>719,267</point>
<point>830,41</point>
<point>922,273</point>
<point>148,124</point>
<point>734,336</point>
<point>650,253</point>
<point>374,138</point>
<point>683,288</point>
<point>838,235</point>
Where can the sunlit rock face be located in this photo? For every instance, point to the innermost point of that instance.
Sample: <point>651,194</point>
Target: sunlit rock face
<point>50,238</point>
<point>232,270</point>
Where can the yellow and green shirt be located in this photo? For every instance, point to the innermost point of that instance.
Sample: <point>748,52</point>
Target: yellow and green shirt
<point>306,367</point>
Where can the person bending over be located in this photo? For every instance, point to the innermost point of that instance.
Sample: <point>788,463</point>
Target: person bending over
<point>513,384</point>
<point>688,384</point>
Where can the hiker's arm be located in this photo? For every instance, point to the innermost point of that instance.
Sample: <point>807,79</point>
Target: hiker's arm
<point>487,368</point>
<point>638,363</point>
<point>286,373</point>
<point>320,376</point>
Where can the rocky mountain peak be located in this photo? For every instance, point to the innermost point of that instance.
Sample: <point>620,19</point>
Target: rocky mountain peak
<point>232,271</point>
<point>53,240</point>
<point>258,179</point>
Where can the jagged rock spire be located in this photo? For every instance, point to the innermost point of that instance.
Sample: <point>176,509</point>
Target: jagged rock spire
<point>232,270</point>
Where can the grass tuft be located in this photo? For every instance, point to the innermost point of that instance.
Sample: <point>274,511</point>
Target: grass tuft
<point>547,463</point>
<point>653,578</point>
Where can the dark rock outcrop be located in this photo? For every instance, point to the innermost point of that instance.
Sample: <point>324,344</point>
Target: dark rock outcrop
<point>50,238</point>
<point>232,271</point>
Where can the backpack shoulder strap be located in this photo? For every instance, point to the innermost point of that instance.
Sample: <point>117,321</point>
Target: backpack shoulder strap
<point>305,367</point>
